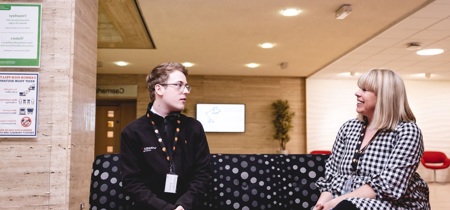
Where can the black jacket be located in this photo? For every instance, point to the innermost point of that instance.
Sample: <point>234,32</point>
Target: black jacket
<point>144,165</point>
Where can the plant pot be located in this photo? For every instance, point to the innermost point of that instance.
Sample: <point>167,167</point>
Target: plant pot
<point>283,152</point>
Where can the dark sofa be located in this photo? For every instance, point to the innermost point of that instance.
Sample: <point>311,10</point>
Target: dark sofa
<point>239,182</point>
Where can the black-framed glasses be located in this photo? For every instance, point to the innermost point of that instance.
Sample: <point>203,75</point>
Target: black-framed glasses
<point>179,86</point>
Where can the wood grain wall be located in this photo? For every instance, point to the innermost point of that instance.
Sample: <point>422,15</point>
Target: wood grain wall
<point>257,93</point>
<point>53,170</point>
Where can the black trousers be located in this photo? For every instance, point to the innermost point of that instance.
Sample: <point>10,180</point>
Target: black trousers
<point>345,205</point>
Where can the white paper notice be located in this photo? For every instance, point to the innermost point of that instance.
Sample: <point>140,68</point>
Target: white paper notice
<point>18,104</point>
<point>20,35</point>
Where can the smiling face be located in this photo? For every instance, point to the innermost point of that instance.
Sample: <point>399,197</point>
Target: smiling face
<point>365,102</point>
<point>170,97</point>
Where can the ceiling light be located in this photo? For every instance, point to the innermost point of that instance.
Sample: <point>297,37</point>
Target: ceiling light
<point>121,63</point>
<point>430,52</point>
<point>188,64</point>
<point>252,65</point>
<point>266,45</point>
<point>343,11</point>
<point>291,12</point>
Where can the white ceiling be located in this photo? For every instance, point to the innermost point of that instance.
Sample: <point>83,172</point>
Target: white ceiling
<point>219,37</point>
<point>429,26</point>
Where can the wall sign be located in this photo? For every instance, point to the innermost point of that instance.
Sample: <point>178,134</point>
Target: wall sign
<point>18,104</point>
<point>116,91</point>
<point>20,39</point>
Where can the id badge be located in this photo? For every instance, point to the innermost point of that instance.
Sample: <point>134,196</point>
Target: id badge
<point>171,183</point>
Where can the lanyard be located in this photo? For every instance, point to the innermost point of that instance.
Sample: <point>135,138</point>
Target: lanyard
<point>167,151</point>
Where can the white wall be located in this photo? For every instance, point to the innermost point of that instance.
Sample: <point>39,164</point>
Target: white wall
<point>329,103</point>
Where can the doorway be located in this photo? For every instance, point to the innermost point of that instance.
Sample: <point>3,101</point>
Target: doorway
<point>111,118</point>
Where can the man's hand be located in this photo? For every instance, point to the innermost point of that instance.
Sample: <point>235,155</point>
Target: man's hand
<point>179,208</point>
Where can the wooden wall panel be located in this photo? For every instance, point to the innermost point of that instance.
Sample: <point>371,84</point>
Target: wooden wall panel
<point>82,102</point>
<point>257,93</point>
<point>53,170</point>
<point>30,172</point>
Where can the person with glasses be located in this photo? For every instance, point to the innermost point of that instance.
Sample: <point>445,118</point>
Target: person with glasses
<point>165,157</point>
<point>375,156</point>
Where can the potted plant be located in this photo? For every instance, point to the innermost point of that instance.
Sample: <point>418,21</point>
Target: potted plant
<point>282,122</point>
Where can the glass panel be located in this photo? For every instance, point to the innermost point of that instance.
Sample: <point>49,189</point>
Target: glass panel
<point>109,149</point>
<point>110,124</point>
<point>110,134</point>
<point>111,113</point>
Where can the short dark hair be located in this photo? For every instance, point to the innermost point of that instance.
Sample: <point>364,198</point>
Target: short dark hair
<point>160,74</point>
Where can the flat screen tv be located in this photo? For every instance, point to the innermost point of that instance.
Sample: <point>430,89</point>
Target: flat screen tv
<point>221,117</point>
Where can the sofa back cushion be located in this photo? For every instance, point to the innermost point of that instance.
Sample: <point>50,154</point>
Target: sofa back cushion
<point>261,181</point>
<point>106,185</point>
<point>239,182</point>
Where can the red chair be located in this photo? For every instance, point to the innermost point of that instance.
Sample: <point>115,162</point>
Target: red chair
<point>435,160</point>
<point>320,152</point>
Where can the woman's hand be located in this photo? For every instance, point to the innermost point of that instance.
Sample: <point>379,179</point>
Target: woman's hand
<point>324,198</point>
<point>325,206</point>
<point>330,204</point>
<point>318,206</point>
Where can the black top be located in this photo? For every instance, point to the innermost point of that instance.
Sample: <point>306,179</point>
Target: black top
<point>144,164</point>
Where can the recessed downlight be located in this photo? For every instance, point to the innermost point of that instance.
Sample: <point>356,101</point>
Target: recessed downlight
<point>430,52</point>
<point>187,64</point>
<point>121,63</point>
<point>289,12</point>
<point>252,65</point>
<point>267,45</point>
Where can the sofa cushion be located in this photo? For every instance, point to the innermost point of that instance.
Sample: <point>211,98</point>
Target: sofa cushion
<point>106,185</point>
<point>264,181</point>
<point>239,182</point>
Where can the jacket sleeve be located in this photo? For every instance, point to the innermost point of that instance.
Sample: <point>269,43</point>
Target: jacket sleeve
<point>132,174</point>
<point>202,171</point>
<point>392,182</point>
<point>325,184</point>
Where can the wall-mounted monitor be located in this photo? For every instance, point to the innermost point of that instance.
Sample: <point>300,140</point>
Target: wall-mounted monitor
<point>221,117</point>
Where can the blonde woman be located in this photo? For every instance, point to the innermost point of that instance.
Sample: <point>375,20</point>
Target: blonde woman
<point>375,156</point>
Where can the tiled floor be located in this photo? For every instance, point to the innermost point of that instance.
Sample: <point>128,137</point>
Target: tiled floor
<point>439,196</point>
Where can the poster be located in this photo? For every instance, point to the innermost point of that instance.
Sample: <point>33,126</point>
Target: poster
<point>20,35</point>
<point>18,104</point>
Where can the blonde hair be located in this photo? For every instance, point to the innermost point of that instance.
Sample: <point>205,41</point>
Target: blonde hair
<point>392,104</point>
